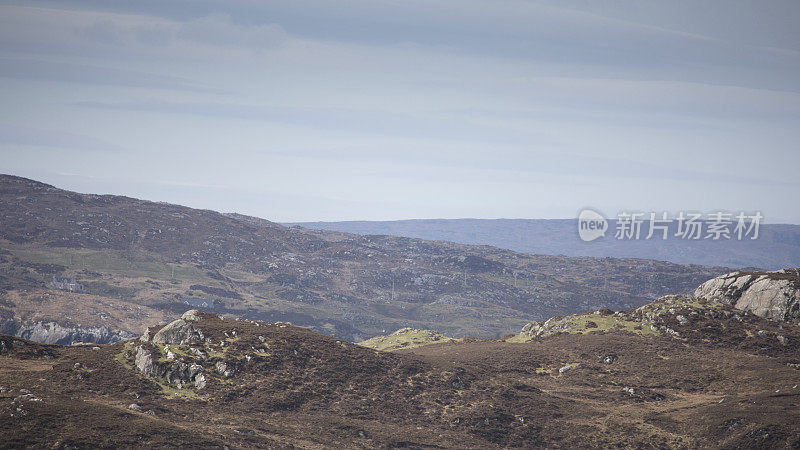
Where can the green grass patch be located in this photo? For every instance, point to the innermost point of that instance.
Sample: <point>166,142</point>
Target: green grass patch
<point>120,357</point>
<point>104,289</point>
<point>518,338</point>
<point>588,323</point>
<point>410,339</point>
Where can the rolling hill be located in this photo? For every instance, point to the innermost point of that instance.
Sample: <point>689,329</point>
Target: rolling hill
<point>71,263</point>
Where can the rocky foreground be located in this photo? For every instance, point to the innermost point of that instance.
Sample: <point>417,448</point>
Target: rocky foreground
<point>681,372</point>
<point>718,307</point>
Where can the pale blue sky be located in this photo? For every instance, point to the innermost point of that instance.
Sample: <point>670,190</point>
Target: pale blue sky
<point>322,110</point>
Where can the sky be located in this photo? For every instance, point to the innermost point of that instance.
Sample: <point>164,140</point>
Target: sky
<point>307,110</point>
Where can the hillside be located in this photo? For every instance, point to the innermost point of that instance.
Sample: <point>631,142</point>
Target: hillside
<point>100,267</point>
<point>204,381</point>
<point>777,246</point>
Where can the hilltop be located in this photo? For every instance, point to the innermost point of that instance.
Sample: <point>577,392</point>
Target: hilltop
<point>406,338</point>
<point>100,268</point>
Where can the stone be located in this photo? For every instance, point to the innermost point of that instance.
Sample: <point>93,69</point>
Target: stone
<point>194,370</point>
<point>629,390</point>
<point>191,315</point>
<point>198,353</point>
<point>177,332</point>
<point>134,407</point>
<point>225,369</point>
<point>682,320</point>
<point>565,369</point>
<point>200,381</point>
<point>29,397</point>
<point>144,361</point>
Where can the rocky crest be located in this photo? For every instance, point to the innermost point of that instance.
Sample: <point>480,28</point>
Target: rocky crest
<point>771,295</point>
<point>176,367</point>
<point>774,296</point>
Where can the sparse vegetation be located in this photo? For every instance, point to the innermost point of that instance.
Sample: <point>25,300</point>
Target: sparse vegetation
<point>471,393</point>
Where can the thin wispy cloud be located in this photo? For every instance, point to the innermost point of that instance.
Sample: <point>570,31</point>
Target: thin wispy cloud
<point>451,108</point>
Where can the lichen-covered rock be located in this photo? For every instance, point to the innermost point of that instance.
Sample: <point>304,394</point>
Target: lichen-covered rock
<point>175,372</point>
<point>191,315</point>
<point>144,361</point>
<point>200,381</point>
<point>177,332</point>
<point>771,295</point>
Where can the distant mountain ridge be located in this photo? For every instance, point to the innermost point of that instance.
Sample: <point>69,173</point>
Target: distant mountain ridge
<point>777,246</point>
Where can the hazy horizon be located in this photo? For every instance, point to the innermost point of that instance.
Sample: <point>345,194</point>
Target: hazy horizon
<point>611,216</point>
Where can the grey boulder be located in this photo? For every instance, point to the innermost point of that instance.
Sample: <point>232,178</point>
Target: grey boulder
<point>177,332</point>
<point>771,295</point>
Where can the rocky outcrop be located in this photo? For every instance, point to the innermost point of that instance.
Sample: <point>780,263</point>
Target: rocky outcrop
<point>191,315</point>
<point>176,372</point>
<point>771,295</point>
<point>54,333</point>
<point>177,332</point>
<point>144,361</point>
<point>181,369</point>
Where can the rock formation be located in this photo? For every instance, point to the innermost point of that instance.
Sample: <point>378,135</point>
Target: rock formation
<point>55,333</point>
<point>771,295</point>
<point>175,370</point>
<point>179,331</point>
